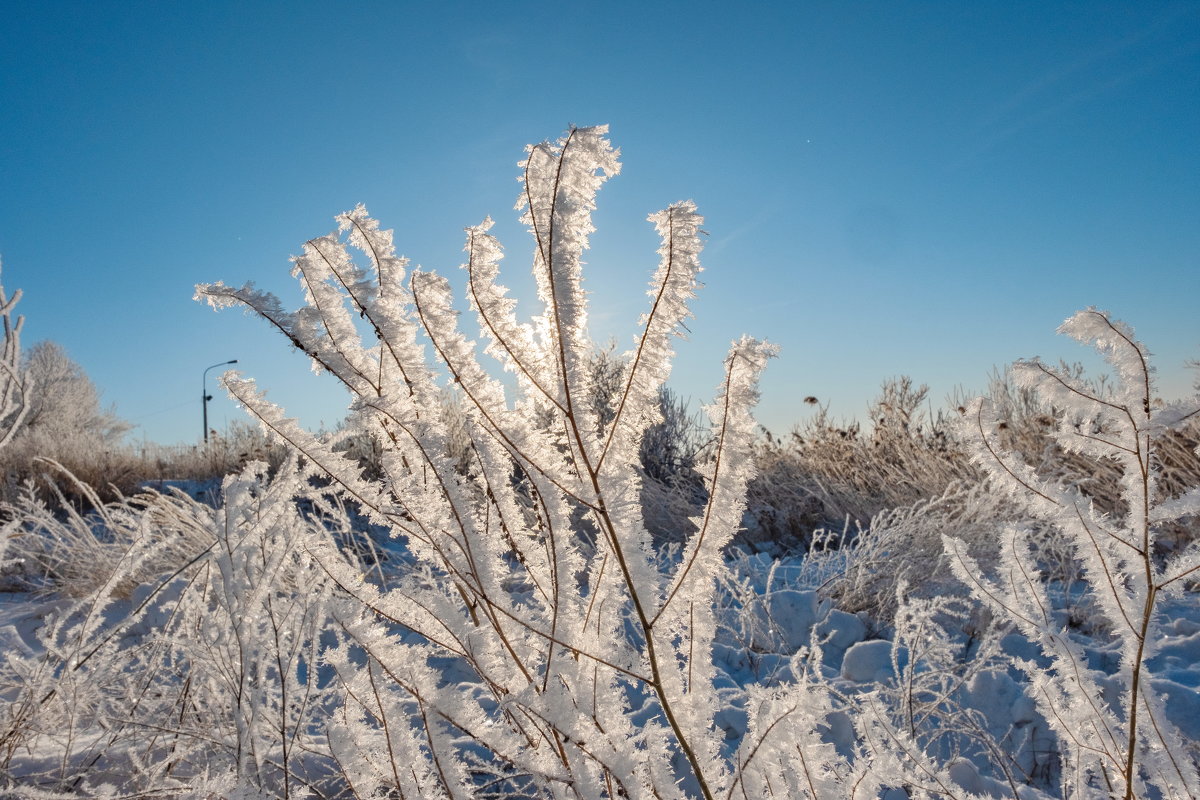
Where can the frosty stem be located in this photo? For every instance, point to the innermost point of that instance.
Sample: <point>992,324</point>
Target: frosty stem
<point>549,502</point>
<point>1116,551</point>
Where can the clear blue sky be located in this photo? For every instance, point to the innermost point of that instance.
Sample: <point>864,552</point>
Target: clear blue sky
<point>891,188</point>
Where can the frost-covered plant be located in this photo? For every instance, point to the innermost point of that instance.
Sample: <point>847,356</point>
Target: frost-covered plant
<point>13,401</point>
<point>840,474</point>
<point>944,716</point>
<point>68,552</point>
<point>1115,737</point>
<point>65,422</point>
<point>907,455</point>
<point>865,565</point>
<point>581,664</point>
<point>64,403</point>
<point>191,666</point>
<point>13,406</point>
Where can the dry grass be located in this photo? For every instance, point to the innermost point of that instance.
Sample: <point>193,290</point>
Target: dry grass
<point>829,475</point>
<point>111,472</point>
<point>55,548</point>
<point>871,508</point>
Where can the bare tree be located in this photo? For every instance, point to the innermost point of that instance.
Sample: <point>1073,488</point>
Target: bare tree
<point>61,400</point>
<point>13,398</point>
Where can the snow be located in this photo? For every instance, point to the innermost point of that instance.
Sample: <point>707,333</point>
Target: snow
<point>782,621</point>
<point>869,662</point>
<point>836,633</point>
<point>776,624</point>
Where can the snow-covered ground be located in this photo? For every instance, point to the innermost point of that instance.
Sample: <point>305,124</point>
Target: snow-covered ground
<point>964,688</point>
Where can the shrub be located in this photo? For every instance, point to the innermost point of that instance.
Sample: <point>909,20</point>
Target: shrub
<point>828,474</point>
<point>586,665</point>
<point>916,478</point>
<point>65,551</point>
<point>1120,740</point>
<point>204,465</point>
<point>185,663</point>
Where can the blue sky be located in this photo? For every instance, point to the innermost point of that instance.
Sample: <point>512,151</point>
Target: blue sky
<point>891,188</point>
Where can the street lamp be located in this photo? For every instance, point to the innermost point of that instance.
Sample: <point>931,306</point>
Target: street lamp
<point>205,396</point>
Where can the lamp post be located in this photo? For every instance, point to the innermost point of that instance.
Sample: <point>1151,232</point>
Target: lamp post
<point>205,396</point>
